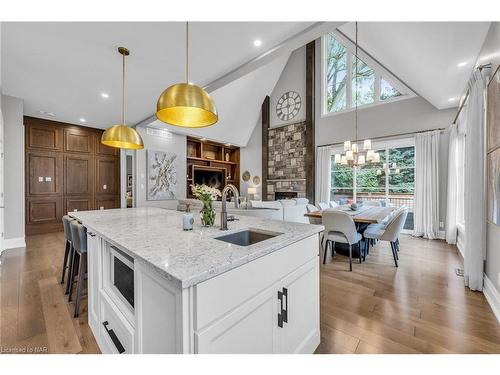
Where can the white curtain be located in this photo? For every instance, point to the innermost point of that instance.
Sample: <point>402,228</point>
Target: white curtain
<point>427,185</point>
<point>323,171</point>
<point>475,209</point>
<point>452,198</point>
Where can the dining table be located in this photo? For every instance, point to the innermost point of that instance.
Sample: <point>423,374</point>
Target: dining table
<point>363,215</point>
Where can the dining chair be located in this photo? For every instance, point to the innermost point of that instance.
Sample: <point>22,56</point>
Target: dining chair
<point>389,233</point>
<point>340,227</point>
<point>323,206</point>
<point>79,237</point>
<point>68,247</point>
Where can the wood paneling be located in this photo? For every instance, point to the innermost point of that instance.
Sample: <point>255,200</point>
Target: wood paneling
<point>45,137</point>
<point>44,171</point>
<point>67,169</point>
<point>106,169</point>
<point>78,203</point>
<point>43,210</point>
<point>78,177</point>
<point>105,203</point>
<point>76,140</point>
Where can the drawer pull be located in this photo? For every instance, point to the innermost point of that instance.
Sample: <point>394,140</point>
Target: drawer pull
<point>280,314</point>
<point>114,338</point>
<point>284,311</point>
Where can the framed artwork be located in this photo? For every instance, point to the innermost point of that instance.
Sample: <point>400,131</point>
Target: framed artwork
<point>162,175</point>
<point>129,180</point>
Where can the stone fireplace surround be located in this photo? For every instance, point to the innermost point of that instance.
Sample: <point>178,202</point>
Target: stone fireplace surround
<point>286,161</point>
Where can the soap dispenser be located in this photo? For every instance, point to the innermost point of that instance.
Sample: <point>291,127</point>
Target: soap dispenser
<point>187,218</point>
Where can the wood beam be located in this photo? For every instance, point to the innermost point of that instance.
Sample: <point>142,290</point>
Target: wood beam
<point>310,158</point>
<point>266,123</point>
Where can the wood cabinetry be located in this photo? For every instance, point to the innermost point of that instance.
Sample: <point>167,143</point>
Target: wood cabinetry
<point>204,157</point>
<point>67,169</point>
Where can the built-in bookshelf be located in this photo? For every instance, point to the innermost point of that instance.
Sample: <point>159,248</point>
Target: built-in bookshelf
<point>212,163</point>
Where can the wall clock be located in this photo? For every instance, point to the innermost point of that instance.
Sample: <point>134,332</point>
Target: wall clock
<point>288,105</point>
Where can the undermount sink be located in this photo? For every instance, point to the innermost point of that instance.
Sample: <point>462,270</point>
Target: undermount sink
<point>247,237</point>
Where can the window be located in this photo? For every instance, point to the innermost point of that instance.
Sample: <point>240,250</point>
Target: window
<point>336,75</point>
<point>392,180</point>
<point>374,83</point>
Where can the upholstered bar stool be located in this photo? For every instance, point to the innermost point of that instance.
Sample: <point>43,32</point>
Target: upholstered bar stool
<point>79,237</point>
<point>68,249</point>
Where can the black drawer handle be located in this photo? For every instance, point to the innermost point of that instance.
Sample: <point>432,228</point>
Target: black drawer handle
<point>114,338</point>
<point>285,311</point>
<point>280,314</point>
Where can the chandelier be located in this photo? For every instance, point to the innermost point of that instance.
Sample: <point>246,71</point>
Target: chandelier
<point>357,154</point>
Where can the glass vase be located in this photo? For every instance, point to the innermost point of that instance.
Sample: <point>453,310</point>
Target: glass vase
<point>207,214</point>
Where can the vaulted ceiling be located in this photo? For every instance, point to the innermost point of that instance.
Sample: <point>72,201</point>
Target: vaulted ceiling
<point>435,59</point>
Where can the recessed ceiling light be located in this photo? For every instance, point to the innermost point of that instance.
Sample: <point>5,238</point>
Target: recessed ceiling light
<point>257,42</point>
<point>452,99</point>
<point>228,145</point>
<point>203,139</point>
<point>463,63</point>
<point>83,120</point>
<point>104,95</point>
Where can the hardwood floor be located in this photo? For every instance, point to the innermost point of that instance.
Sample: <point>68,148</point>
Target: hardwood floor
<point>420,307</point>
<point>35,316</point>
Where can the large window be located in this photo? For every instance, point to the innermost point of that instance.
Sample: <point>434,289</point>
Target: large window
<point>342,87</point>
<point>392,181</point>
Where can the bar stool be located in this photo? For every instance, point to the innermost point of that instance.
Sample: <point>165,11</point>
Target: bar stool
<point>68,256</point>
<point>79,240</point>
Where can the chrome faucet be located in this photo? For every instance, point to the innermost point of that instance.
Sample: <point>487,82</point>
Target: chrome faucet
<point>223,214</point>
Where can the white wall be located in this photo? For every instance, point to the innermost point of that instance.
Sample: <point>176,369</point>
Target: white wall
<point>251,160</point>
<point>1,153</point>
<point>490,52</point>
<point>173,143</point>
<point>292,78</point>
<point>14,171</point>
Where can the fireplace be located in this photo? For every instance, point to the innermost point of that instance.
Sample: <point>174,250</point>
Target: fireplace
<point>285,195</point>
<point>210,176</point>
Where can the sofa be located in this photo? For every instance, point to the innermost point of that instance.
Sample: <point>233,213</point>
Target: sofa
<point>291,210</point>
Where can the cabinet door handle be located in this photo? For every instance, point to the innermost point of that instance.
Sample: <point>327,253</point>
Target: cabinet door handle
<point>280,314</point>
<point>114,338</point>
<point>285,311</point>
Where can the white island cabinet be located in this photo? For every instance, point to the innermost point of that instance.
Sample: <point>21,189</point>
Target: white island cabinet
<point>189,292</point>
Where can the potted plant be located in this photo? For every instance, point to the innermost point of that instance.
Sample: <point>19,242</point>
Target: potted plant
<point>206,195</point>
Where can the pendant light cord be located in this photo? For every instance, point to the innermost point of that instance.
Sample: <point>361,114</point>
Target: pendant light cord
<point>123,89</point>
<point>356,83</point>
<point>187,52</point>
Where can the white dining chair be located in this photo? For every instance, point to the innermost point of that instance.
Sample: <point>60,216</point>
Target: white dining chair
<point>323,206</point>
<point>389,233</point>
<point>339,227</point>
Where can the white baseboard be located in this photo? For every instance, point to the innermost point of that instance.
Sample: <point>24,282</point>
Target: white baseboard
<point>12,243</point>
<point>492,296</point>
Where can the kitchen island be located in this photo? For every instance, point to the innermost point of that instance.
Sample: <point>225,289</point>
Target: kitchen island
<point>154,288</point>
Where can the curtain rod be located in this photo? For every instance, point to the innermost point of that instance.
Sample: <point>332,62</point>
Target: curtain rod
<point>387,136</point>
<point>480,67</point>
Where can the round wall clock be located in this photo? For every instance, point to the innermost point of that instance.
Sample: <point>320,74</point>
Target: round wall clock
<point>288,105</point>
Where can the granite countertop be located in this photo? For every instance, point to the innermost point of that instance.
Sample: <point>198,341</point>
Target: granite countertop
<point>187,258</point>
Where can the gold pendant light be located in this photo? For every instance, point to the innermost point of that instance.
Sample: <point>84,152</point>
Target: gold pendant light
<point>185,104</point>
<point>122,136</point>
